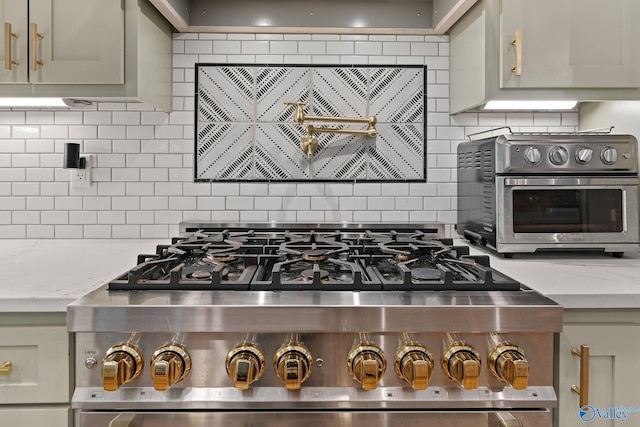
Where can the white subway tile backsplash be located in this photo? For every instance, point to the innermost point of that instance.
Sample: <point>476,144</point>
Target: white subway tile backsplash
<point>240,203</point>
<point>381,203</point>
<point>54,217</point>
<point>68,231</point>
<point>25,217</point>
<point>129,231</point>
<point>143,159</point>
<point>40,203</point>
<point>67,203</point>
<point>40,232</point>
<point>112,217</point>
<point>352,203</point>
<point>97,232</point>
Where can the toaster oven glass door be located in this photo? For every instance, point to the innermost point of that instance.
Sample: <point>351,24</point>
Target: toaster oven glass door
<point>555,210</point>
<point>577,210</point>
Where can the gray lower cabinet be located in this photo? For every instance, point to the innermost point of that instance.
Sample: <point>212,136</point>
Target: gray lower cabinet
<point>35,370</point>
<point>609,376</point>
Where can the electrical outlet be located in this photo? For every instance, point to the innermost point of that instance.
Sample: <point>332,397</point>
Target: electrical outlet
<point>82,177</point>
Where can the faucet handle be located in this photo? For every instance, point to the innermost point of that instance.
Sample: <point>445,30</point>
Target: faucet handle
<point>299,114</point>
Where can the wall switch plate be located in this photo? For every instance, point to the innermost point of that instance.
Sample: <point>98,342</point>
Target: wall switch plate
<point>82,177</point>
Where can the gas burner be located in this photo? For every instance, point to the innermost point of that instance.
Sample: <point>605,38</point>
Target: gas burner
<point>314,251</point>
<point>193,267</point>
<point>221,258</point>
<point>314,255</point>
<point>201,274</point>
<point>308,274</point>
<point>425,273</point>
<point>324,274</point>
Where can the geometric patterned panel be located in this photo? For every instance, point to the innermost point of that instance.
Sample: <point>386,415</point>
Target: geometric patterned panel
<point>244,131</point>
<point>398,152</point>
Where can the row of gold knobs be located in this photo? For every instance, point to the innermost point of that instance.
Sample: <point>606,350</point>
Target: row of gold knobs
<point>246,363</point>
<point>367,363</point>
<point>123,363</point>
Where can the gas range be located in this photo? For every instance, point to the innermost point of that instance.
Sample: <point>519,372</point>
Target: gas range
<point>327,324</point>
<point>300,257</point>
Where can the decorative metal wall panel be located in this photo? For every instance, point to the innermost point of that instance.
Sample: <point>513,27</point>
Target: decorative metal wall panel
<point>245,132</point>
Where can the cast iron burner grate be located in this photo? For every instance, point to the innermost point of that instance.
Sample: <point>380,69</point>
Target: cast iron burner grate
<point>354,258</point>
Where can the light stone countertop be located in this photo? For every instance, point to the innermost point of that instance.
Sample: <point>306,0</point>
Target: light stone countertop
<point>46,275</point>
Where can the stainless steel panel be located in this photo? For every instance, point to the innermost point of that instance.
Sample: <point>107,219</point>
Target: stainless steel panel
<point>313,311</point>
<point>533,418</point>
<point>329,350</point>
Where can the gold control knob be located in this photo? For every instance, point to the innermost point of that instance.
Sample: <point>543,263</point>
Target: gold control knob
<point>414,364</point>
<point>509,364</point>
<point>169,364</point>
<point>292,363</point>
<point>245,364</point>
<point>367,364</point>
<point>121,364</point>
<point>461,363</point>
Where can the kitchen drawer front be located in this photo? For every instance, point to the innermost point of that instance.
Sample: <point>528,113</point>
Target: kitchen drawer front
<point>39,357</point>
<point>35,416</point>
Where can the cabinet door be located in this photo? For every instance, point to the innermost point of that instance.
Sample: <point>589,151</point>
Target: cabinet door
<point>80,41</point>
<point>571,43</point>
<point>13,49</point>
<point>39,356</point>
<point>613,377</point>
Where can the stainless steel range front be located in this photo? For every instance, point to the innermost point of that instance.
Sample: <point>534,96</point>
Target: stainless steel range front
<point>328,325</point>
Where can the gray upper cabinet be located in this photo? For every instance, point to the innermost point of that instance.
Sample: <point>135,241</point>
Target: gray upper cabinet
<point>116,50</point>
<point>571,43</point>
<point>583,50</point>
<point>69,41</point>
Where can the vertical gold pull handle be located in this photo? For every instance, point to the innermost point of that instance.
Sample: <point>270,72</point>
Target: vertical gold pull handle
<point>8,57</point>
<point>6,368</point>
<point>517,43</point>
<point>583,389</point>
<point>34,36</point>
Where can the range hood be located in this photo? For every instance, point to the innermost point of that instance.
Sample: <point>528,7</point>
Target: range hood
<point>320,16</point>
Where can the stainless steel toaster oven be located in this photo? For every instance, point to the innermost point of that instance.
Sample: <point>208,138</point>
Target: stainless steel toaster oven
<point>530,192</point>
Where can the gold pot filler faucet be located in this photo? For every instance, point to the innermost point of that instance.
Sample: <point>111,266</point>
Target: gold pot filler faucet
<point>309,142</point>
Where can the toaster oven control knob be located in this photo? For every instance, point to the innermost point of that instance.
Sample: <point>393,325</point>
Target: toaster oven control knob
<point>532,156</point>
<point>584,155</point>
<point>169,364</point>
<point>367,364</point>
<point>414,364</point>
<point>461,363</point>
<point>292,363</point>
<point>558,155</point>
<point>508,363</point>
<point>121,364</point>
<point>245,364</point>
<point>609,155</point>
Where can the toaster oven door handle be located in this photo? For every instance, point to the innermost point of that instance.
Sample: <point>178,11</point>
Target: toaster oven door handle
<point>567,181</point>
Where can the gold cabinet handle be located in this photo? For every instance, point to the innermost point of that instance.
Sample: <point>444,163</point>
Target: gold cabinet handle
<point>8,36</point>
<point>34,36</point>
<point>517,43</point>
<point>583,389</point>
<point>6,368</point>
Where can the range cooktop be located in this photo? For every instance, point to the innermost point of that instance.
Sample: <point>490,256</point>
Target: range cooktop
<point>270,257</point>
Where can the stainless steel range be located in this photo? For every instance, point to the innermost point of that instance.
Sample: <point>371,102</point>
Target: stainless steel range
<point>330,325</point>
